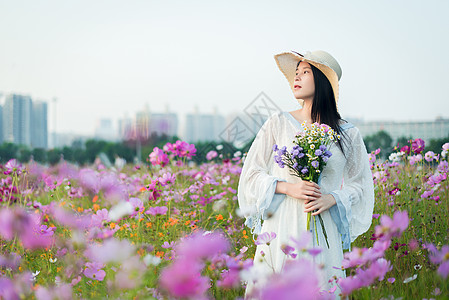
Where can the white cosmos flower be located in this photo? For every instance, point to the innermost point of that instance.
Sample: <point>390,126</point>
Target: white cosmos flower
<point>407,280</point>
<point>151,260</point>
<point>120,210</point>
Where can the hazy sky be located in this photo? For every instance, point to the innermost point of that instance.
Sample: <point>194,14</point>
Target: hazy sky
<point>105,59</point>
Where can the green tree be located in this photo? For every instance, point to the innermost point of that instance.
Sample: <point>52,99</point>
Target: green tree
<point>54,156</point>
<point>24,155</point>
<point>380,139</point>
<point>39,155</point>
<point>8,151</point>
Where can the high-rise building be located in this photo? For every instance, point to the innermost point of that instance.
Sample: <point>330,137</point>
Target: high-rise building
<point>17,119</point>
<point>24,121</point>
<point>203,127</point>
<point>104,130</point>
<point>39,130</point>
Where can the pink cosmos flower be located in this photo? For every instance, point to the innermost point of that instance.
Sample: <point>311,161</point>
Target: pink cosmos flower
<point>158,157</point>
<point>265,238</point>
<point>100,217</point>
<point>440,257</point>
<point>13,166</point>
<point>62,292</point>
<point>392,227</point>
<point>137,205</point>
<point>157,210</point>
<point>167,178</point>
<point>405,149</point>
<point>211,155</point>
<point>202,245</point>
<point>26,226</point>
<point>418,146</point>
<point>111,250</point>
<point>430,156</point>
<point>183,279</point>
<point>299,277</point>
<point>94,271</point>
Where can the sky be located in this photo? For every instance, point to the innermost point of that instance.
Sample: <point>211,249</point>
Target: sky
<point>107,59</point>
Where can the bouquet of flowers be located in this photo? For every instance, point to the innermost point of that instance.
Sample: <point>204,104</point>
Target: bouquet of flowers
<point>308,157</point>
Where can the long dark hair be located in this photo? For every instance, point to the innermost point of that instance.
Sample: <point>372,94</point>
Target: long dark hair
<point>324,107</point>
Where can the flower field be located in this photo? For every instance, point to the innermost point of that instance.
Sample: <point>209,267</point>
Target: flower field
<point>171,229</point>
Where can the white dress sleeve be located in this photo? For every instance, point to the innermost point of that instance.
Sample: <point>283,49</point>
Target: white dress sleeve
<point>256,189</point>
<point>355,200</point>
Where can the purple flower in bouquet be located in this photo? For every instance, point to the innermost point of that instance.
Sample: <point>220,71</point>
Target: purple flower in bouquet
<point>418,146</point>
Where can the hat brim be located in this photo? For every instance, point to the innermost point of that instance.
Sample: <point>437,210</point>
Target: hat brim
<point>287,62</point>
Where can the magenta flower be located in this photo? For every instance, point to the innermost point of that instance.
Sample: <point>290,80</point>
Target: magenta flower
<point>111,250</point>
<point>94,271</point>
<point>211,155</point>
<point>440,257</point>
<point>167,178</point>
<point>392,227</point>
<point>47,231</point>
<point>289,251</point>
<point>202,245</point>
<point>62,292</point>
<point>229,279</point>
<point>430,156</point>
<point>18,222</point>
<point>158,157</point>
<point>299,277</point>
<point>265,238</point>
<point>418,146</point>
<point>101,217</point>
<point>137,205</point>
<point>405,149</point>
<point>183,279</point>
<point>157,210</point>
<point>13,166</point>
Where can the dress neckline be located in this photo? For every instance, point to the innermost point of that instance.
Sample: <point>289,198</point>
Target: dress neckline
<point>296,123</point>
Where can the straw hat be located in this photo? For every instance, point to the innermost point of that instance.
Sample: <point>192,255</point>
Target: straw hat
<point>322,60</point>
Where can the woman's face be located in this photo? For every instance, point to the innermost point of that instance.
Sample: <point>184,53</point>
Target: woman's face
<point>304,85</point>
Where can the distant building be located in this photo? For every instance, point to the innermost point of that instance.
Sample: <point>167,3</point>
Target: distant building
<point>163,123</point>
<point>145,123</point>
<point>105,130</point>
<point>39,130</point>
<point>17,119</point>
<point>425,130</point>
<point>203,127</point>
<point>24,121</point>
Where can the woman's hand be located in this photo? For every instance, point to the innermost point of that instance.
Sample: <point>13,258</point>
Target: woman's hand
<point>303,190</point>
<point>323,203</point>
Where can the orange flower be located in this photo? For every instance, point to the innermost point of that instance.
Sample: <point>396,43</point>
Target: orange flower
<point>95,199</point>
<point>143,189</point>
<point>80,209</point>
<point>149,224</point>
<point>112,225</point>
<point>187,223</point>
<point>219,217</point>
<point>96,207</point>
<point>159,254</point>
<point>160,234</point>
<point>134,226</point>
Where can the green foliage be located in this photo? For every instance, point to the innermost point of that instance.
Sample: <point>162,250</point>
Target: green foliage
<point>380,140</point>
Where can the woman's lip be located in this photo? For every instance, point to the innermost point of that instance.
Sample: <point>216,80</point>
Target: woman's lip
<point>297,87</point>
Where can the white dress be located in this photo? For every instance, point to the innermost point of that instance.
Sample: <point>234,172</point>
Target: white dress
<point>350,217</point>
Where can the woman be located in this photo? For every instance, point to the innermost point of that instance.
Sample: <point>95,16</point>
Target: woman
<point>270,194</point>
